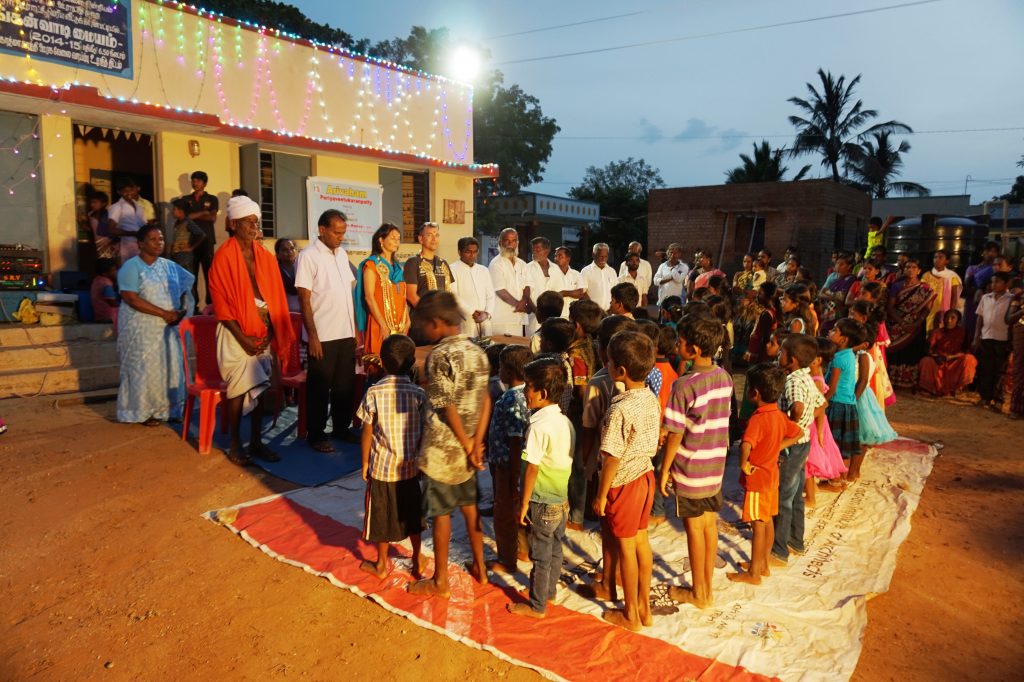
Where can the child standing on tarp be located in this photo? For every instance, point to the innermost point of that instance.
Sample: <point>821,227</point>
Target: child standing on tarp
<point>697,442</point>
<point>392,414</point>
<point>550,442</point>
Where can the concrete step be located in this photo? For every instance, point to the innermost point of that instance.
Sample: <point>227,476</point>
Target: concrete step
<point>27,383</point>
<point>56,356</point>
<point>27,335</point>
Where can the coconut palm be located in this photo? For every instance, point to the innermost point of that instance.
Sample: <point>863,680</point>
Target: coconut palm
<point>875,165</point>
<point>832,122</point>
<point>765,166</point>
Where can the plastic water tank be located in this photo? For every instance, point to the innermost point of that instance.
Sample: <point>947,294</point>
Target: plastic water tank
<point>962,238</point>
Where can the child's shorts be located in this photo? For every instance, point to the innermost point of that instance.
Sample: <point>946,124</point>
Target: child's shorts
<point>845,425</point>
<point>760,505</point>
<point>629,506</point>
<point>687,508</point>
<point>394,510</point>
<point>441,499</point>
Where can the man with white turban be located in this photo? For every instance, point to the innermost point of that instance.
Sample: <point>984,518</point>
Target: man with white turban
<point>250,303</point>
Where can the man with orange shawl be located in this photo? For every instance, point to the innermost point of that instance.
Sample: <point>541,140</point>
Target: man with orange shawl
<point>250,303</point>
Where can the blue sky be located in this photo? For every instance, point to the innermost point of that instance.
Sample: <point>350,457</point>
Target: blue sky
<point>938,66</point>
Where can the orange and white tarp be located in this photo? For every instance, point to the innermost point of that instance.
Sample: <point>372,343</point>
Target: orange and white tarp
<point>805,622</point>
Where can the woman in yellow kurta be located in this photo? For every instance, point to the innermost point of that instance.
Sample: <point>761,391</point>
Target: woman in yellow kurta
<point>380,292</point>
<point>946,284</point>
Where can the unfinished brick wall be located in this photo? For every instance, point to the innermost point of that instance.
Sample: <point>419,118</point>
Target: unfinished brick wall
<point>805,214</point>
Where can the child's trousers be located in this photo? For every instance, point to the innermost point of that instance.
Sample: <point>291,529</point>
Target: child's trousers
<point>547,531</point>
<point>508,534</point>
<point>992,358</point>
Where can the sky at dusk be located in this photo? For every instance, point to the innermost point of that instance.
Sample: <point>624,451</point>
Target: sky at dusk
<point>946,65</point>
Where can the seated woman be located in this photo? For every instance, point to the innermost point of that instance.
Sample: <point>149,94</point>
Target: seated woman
<point>946,370</point>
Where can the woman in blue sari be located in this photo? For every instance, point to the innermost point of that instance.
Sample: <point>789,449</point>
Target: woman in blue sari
<point>157,294</point>
<point>380,291</point>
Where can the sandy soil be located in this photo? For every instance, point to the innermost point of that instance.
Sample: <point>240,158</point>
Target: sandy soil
<point>108,571</point>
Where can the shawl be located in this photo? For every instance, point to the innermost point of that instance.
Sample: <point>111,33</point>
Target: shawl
<point>395,275</point>
<point>946,277</point>
<point>234,299</point>
<point>910,307</point>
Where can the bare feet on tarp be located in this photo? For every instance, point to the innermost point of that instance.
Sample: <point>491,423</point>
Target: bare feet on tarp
<point>686,595</point>
<point>373,569</point>
<point>428,588</point>
<point>617,617</point>
<point>523,610</point>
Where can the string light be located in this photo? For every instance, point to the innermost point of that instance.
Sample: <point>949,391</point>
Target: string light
<point>379,121</point>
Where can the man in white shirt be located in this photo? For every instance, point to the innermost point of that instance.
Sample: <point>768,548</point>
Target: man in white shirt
<point>325,284</point>
<point>632,272</point>
<point>646,273</point>
<point>991,342</point>
<point>541,275</point>
<point>127,216</point>
<point>511,290</point>
<point>600,277</point>
<point>473,289</point>
<point>573,286</point>
<point>671,275</point>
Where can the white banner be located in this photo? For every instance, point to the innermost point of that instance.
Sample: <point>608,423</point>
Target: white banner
<point>361,204</point>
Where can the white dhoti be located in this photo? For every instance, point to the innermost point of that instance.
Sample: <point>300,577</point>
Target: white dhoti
<point>245,375</point>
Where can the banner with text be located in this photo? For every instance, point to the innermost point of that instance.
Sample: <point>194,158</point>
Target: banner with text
<point>84,34</point>
<point>361,204</point>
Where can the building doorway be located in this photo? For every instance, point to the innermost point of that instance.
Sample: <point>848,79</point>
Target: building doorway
<point>103,157</point>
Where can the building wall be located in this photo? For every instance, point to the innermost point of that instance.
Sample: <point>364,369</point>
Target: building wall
<point>450,186</point>
<point>56,140</point>
<point>174,164</point>
<point>804,214</point>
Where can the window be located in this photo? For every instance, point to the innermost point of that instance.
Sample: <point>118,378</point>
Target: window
<point>277,182</point>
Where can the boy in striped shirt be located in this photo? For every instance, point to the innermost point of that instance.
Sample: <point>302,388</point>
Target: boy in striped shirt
<point>697,442</point>
<point>392,414</point>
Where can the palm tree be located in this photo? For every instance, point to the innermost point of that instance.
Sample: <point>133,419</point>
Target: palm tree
<point>765,166</point>
<point>833,121</point>
<point>875,165</point>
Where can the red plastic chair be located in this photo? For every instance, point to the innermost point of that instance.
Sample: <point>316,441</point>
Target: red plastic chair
<point>296,377</point>
<point>207,384</point>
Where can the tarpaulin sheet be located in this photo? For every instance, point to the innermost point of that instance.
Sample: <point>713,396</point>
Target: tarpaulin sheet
<point>805,622</point>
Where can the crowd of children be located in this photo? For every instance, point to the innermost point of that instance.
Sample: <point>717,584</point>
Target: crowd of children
<point>611,417</point>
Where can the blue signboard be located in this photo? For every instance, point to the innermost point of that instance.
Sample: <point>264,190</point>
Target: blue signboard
<point>85,34</point>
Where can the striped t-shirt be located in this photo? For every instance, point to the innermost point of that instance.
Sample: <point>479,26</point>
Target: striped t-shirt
<point>699,409</point>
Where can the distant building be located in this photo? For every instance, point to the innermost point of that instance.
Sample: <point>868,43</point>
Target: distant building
<point>730,220</point>
<point>563,220</point>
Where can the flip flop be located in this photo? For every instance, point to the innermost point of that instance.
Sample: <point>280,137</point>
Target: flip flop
<point>323,446</point>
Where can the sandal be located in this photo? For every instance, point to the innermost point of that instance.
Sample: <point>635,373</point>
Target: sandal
<point>323,446</point>
<point>152,421</point>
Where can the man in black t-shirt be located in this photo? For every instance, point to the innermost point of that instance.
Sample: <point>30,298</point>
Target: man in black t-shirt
<point>426,271</point>
<point>202,209</point>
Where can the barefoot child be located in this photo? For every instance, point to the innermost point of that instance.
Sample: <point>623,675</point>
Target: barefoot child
<point>629,440</point>
<point>768,432</point>
<point>392,415</point>
<point>697,427</point>
<point>505,437</point>
<point>453,436</point>
<point>550,442</point>
<point>842,396</point>
<point>824,460</point>
<point>800,400</point>
<point>600,389</point>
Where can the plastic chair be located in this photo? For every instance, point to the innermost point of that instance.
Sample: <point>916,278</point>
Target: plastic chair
<point>296,378</point>
<point>207,384</point>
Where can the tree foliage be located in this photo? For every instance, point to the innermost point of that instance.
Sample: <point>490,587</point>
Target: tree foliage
<point>764,166</point>
<point>875,166</point>
<point>832,122</point>
<point>1016,193</point>
<point>621,188</point>
<point>285,18</point>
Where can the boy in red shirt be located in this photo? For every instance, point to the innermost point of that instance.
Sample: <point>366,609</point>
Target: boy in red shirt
<point>768,432</point>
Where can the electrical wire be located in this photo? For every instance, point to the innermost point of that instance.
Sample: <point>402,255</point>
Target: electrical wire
<point>716,34</point>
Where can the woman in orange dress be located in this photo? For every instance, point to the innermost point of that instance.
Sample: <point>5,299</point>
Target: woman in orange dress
<point>380,292</point>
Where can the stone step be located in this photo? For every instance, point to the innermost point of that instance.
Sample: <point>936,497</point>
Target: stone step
<point>27,335</point>
<point>56,356</point>
<point>22,383</point>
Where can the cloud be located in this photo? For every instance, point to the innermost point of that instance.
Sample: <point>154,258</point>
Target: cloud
<point>649,132</point>
<point>717,139</point>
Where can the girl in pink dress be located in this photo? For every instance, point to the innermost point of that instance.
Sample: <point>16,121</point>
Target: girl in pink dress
<point>824,459</point>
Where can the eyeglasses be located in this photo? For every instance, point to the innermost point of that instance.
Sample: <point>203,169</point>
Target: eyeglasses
<point>429,225</point>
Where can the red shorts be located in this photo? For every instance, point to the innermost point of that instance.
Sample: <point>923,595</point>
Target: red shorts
<point>760,505</point>
<point>629,506</point>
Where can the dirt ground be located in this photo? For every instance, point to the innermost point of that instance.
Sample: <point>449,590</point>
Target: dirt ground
<point>107,570</point>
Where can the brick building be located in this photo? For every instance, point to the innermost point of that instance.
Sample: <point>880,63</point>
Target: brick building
<point>731,220</point>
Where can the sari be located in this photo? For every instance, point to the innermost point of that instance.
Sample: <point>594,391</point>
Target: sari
<point>946,369</point>
<point>834,308</point>
<point>908,314</point>
<point>389,296</point>
<point>152,370</point>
